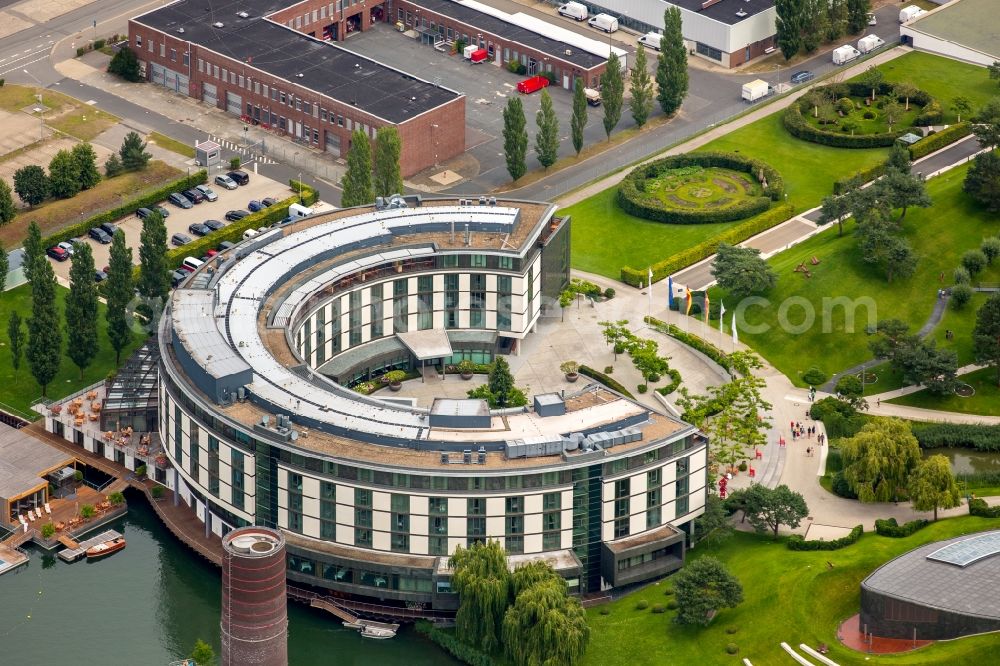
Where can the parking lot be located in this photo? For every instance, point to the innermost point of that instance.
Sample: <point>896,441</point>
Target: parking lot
<point>179,219</point>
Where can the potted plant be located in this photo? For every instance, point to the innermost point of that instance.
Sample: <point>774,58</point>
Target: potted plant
<point>466,368</point>
<point>569,368</point>
<point>140,471</point>
<point>87,512</point>
<point>157,492</point>
<point>394,378</point>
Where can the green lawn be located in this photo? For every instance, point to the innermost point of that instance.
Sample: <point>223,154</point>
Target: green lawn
<point>20,394</point>
<point>605,238</point>
<point>943,78</point>
<point>986,400</point>
<point>788,596</point>
<point>876,125</point>
<point>939,234</point>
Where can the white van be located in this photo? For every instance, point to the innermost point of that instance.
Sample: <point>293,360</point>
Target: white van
<point>573,10</point>
<point>651,40</point>
<point>249,233</point>
<point>297,211</point>
<point>190,264</point>
<point>604,22</point>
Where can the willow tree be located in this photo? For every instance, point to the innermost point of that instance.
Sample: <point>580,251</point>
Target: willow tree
<point>545,625</point>
<point>482,582</point>
<point>879,459</point>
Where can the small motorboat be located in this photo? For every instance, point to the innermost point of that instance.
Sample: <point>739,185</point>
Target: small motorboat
<point>106,548</point>
<point>378,633</point>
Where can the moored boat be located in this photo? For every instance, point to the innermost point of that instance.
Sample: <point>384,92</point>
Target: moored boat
<point>377,633</point>
<point>106,548</point>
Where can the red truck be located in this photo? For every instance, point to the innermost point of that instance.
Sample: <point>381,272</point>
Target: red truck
<point>534,84</point>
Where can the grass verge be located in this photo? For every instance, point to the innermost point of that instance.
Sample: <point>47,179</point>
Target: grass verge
<point>64,113</point>
<point>164,141</point>
<point>986,401</point>
<point>944,78</point>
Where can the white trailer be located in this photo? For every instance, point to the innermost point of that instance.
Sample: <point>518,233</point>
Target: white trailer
<point>469,50</point>
<point>870,43</point>
<point>755,90</point>
<point>910,13</point>
<point>845,54</point>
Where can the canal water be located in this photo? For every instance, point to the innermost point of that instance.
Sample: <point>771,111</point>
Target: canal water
<point>146,606</point>
<point>969,461</point>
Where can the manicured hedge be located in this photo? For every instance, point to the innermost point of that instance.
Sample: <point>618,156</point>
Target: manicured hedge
<point>936,435</point>
<point>797,542</point>
<point>691,340</point>
<point>979,507</point>
<point>150,199</point>
<point>587,371</point>
<point>693,255</point>
<point>800,128</point>
<point>842,185</point>
<point>945,137</point>
<point>675,382</point>
<point>890,528</point>
<point>456,648</point>
<point>633,199</point>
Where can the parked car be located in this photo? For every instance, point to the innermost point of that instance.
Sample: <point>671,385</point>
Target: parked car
<point>651,40</point>
<point>226,245</point>
<point>57,253</point>
<point>143,213</point>
<point>100,276</point>
<point>234,215</point>
<point>67,247</point>
<point>180,200</point>
<point>99,235</point>
<point>209,254</point>
<point>177,277</point>
<point>109,228</point>
<point>180,239</point>
<point>214,225</point>
<point>533,84</point>
<point>225,181</point>
<point>241,177</point>
<point>267,202</point>
<point>255,206</point>
<point>208,192</point>
<point>199,229</point>
<point>194,196</point>
<point>164,213</point>
<point>802,76</point>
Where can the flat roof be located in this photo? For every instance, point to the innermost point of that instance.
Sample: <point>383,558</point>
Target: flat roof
<point>965,22</point>
<point>725,11</point>
<point>23,461</point>
<point>284,53</point>
<point>428,344</point>
<point>920,579</point>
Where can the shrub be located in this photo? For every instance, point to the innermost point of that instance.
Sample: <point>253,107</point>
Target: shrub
<point>99,44</point>
<point>659,608</point>
<point>642,388</point>
<point>78,476</point>
<point>979,507</point>
<point>974,261</point>
<point>846,183</point>
<point>672,604</point>
<point>642,605</point>
<point>551,76</point>
<point>890,528</point>
<point>587,371</point>
<point>653,378</point>
<point>87,511</point>
<point>931,114</point>
<point>732,629</point>
<point>937,435</point>
<point>814,376</point>
<point>234,162</point>
<point>604,610</point>
<point>939,140</point>
<point>608,369</point>
<point>845,105</point>
<point>869,115</point>
<point>841,487</point>
<point>48,530</point>
<point>453,646</point>
<point>961,276</point>
<point>116,499</point>
<point>797,542</point>
<point>668,592</point>
<point>731,648</point>
<point>675,382</point>
<point>156,492</point>
<point>140,470</point>
<point>691,340</point>
<point>80,51</point>
<point>743,466</point>
<point>609,293</point>
<point>961,294</point>
<point>692,255</point>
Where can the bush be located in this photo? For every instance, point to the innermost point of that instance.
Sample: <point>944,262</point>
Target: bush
<point>48,530</point>
<point>931,114</point>
<point>839,417</point>
<point>602,378</point>
<point>979,507</point>
<point>80,50</point>
<point>642,388</point>
<point>668,592</point>
<point>653,378</point>
<point>742,466</point>
<point>841,488</point>
<point>797,542</point>
<point>814,376</point>
<point>642,605</point>
<point>732,629</point>
<point>87,511</point>
<point>845,105</point>
<point>659,608</point>
<point>234,162</point>
<point>868,115</point>
<point>156,492</point>
<point>692,255</point>
<point>609,293</point>
<point>731,648</point>
<point>551,76</point>
<point>634,200</point>
<point>675,382</point>
<point>116,499</point>
<point>453,646</point>
<point>99,44</point>
<point>961,294</point>
<point>961,276</point>
<point>608,369</point>
<point>937,435</point>
<point>672,604</point>
<point>939,140</point>
<point>890,528</point>
<point>604,610</point>
<point>842,185</point>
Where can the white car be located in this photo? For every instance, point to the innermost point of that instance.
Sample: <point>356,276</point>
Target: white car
<point>209,193</point>
<point>67,247</point>
<point>651,40</point>
<point>226,182</point>
<point>872,20</point>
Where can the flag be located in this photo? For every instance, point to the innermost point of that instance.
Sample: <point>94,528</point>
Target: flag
<point>688,300</point>
<point>670,291</point>
<point>706,307</point>
<point>722,315</point>
<point>736,338</point>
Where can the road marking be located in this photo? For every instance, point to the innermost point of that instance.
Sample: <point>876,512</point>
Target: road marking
<point>24,64</point>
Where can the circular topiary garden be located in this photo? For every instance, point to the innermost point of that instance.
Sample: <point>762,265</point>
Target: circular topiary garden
<point>845,115</point>
<point>700,188</point>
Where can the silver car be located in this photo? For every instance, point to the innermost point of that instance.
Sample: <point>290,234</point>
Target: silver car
<point>209,193</point>
<point>226,182</point>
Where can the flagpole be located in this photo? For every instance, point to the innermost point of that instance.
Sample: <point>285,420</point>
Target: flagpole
<point>649,295</point>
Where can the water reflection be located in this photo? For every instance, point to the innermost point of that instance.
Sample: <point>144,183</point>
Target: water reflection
<point>967,461</point>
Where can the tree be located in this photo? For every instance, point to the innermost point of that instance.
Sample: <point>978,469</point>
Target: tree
<point>851,390</point>
<point>515,138</point>
<point>703,587</point>
<point>113,166</point>
<point>789,24</point>
<point>133,153</point>
<point>986,334</point>
<point>547,137</point>
<point>974,261</point>
<point>893,112</point>
<point>857,15</point>
<point>357,182</point>
<point>982,180</point>
<point>81,309</point>
<point>834,209</point>
<point>894,255</point>
<point>671,64</point>
<point>31,184</point>
<point>994,70</point>
<point>545,625</point>
<point>899,159</point>
<point>646,358</point>
<point>837,22</point>
<point>932,485</point>
<point>986,127</point>
<point>713,525</point>
<point>154,278</point>
<point>86,163</point>
<point>126,65</point>
<point>64,175</point>
<point>33,250</point>
<point>990,248</point>
<point>203,654</point>
<point>579,118</point>
<point>388,146</point>
<point>15,338</point>
<point>612,93</point>
<point>902,190</point>
<point>815,23</point>
<point>482,582</point>
<point>872,78</point>
<point>641,87</point>
<point>118,293</point>
<point>768,509</point>
<point>8,211</point>
<point>741,270</point>
<point>961,106</point>
<point>44,350</point>
<point>501,381</point>
<point>878,460</point>
<point>906,90</point>
<point>4,269</point>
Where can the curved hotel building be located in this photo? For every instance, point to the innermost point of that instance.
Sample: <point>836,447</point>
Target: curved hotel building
<point>259,351</point>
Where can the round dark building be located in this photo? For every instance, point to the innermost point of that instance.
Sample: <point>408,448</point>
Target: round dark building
<point>254,606</point>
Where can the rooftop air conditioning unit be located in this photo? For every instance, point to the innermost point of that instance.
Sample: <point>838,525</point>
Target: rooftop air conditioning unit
<point>218,24</point>
<point>741,13</point>
<point>243,14</point>
<point>568,51</point>
<point>180,31</point>
<point>299,75</point>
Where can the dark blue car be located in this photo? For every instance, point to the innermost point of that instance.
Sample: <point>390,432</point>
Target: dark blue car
<point>255,206</point>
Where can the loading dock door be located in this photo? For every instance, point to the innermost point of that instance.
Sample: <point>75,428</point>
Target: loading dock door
<point>156,73</point>
<point>234,104</point>
<point>209,94</point>
<point>332,141</point>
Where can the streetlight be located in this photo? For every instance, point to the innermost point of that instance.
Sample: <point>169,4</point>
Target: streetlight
<point>41,105</point>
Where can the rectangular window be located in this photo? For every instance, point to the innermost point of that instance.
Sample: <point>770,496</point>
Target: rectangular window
<point>476,506</point>
<point>362,497</point>
<point>363,517</point>
<point>151,45</point>
<point>506,263</point>
<point>514,545</point>
<point>362,537</point>
<point>437,506</point>
<point>163,50</point>
<point>515,505</point>
<point>236,462</point>
<point>476,527</point>
<point>138,40</point>
<point>478,261</point>
<point>437,545</point>
<point>376,311</point>
<point>551,501</point>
